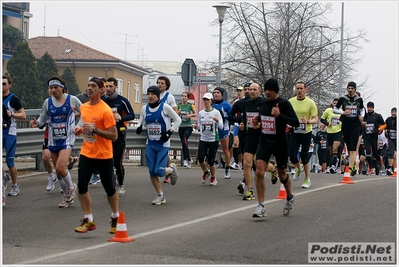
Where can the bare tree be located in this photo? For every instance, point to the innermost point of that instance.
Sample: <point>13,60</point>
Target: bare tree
<point>286,40</point>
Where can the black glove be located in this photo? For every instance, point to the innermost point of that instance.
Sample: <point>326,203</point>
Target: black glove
<point>165,136</point>
<point>139,129</point>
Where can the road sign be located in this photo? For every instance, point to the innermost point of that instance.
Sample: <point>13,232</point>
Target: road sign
<point>188,70</point>
<point>205,79</point>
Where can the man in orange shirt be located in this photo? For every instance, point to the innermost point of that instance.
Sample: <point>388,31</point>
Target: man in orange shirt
<point>99,131</point>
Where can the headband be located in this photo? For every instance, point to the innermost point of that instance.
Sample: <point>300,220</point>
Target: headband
<point>55,83</point>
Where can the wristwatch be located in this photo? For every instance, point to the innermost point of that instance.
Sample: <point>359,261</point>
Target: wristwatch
<point>307,122</point>
<point>94,129</point>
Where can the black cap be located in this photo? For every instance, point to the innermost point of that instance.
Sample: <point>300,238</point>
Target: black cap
<point>271,84</point>
<point>353,84</point>
<point>247,85</point>
<point>393,109</point>
<point>370,104</point>
<point>155,90</point>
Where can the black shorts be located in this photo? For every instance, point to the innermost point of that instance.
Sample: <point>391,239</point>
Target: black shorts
<point>251,146</point>
<point>278,149</point>
<point>331,138</point>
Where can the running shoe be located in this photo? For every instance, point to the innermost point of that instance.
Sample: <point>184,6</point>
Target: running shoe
<point>71,194</point>
<point>249,195</point>
<point>189,162</point>
<point>289,205</point>
<point>185,164</point>
<point>3,197</point>
<point>95,179</point>
<point>112,229</point>
<point>389,171</point>
<point>6,178</point>
<point>259,212</point>
<point>241,188</point>
<point>205,177</point>
<point>70,164</point>
<point>333,169</point>
<point>297,174</point>
<point>52,180</point>
<point>353,170</point>
<point>306,183</point>
<point>227,173</point>
<point>64,203</point>
<point>173,175</point>
<point>216,163</point>
<point>86,226</point>
<point>121,191</point>
<point>14,190</point>
<point>213,181</point>
<point>274,176</point>
<point>159,200</point>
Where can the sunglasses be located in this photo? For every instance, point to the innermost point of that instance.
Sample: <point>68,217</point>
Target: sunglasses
<point>206,99</point>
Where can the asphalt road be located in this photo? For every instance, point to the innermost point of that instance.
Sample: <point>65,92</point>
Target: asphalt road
<point>199,224</point>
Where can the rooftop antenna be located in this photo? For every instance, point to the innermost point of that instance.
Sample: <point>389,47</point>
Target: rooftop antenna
<point>44,23</point>
<point>124,58</point>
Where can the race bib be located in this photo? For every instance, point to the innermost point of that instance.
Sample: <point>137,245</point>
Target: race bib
<point>154,132</point>
<point>89,137</point>
<point>207,127</point>
<point>268,124</point>
<point>392,134</point>
<point>300,129</point>
<point>353,111</point>
<point>334,121</point>
<point>59,131</point>
<point>250,117</point>
<point>183,115</point>
<point>369,128</point>
<point>323,144</point>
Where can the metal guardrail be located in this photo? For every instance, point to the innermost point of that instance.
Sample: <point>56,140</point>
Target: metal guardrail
<point>30,143</point>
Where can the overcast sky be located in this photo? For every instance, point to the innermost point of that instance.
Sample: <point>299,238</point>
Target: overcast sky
<point>173,31</point>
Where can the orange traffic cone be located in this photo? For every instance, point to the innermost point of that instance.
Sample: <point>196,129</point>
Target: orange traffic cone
<point>121,231</point>
<point>282,194</point>
<point>347,177</point>
<point>394,173</point>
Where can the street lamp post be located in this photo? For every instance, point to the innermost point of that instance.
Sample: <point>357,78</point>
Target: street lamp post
<point>320,75</point>
<point>221,9</point>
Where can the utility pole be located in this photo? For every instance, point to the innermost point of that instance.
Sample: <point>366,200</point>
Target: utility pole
<point>125,42</point>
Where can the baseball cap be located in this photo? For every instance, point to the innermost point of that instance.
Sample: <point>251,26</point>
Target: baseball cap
<point>208,96</point>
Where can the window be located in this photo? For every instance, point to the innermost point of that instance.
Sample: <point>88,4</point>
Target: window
<point>137,97</point>
<point>128,90</point>
<point>120,86</point>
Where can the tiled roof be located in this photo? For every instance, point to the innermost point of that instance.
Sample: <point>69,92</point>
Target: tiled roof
<point>61,48</point>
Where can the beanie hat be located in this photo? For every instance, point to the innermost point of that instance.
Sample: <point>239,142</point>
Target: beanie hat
<point>353,84</point>
<point>220,89</point>
<point>370,104</point>
<point>98,81</point>
<point>155,90</point>
<point>272,84</point>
